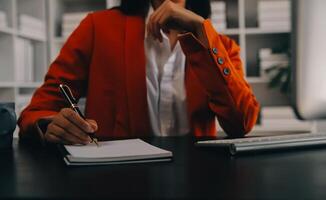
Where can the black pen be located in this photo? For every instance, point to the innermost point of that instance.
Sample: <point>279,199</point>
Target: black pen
<point>66,91</point>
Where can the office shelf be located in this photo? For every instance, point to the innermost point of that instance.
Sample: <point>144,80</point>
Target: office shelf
<point>10,87</point>
<point>231,31</point>
<point>32,37</point>
<point>257,31</point>
<point>7,84</point>
<point>29,84</point>
<point>59,40</point>
<point>257,80</point>
<point>7,30</point>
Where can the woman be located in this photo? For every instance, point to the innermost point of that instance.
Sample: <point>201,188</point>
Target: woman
<point>166,74</point>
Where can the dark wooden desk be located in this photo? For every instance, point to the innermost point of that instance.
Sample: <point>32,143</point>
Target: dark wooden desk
<point>35,172</point>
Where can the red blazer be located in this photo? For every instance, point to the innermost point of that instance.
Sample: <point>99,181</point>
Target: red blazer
<point>104,60</point>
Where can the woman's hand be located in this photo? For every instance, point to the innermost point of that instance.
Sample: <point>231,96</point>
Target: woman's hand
<point>171,15</point>
<point>68,127</point>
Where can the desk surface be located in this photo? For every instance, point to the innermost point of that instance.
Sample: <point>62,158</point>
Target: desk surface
<point>36,172</point>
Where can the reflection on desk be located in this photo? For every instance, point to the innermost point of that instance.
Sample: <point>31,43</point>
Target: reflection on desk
<point>30,171</point>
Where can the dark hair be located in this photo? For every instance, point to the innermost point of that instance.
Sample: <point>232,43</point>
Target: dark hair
<point>200,7</point>
<point>135,7</point>
<point>141,7</point>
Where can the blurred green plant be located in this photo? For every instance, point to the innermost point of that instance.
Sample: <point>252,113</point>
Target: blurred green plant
<point>280,77</point>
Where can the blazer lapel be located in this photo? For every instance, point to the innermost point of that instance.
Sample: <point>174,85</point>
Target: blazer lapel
<point>136,76</point>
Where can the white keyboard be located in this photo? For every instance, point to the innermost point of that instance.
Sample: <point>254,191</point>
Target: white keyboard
<point>268,142</point>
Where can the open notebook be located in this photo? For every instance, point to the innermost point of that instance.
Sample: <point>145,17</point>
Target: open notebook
<point>115,152</point>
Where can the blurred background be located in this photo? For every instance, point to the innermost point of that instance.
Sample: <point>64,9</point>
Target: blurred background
<point>33,31</point>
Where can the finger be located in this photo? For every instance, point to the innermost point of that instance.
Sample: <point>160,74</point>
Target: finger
<point>156,34</point>
<point>70,127</point>
<point>93,124</point>
<point>57,140</point>
<point>52,138</point>
<point>73,117</point>
<point>163,22</point>
<point>150,27</point>
<point>66,136</point>
<point>153,29</point>
<point>154,22</point>
<point>159,9</point>
<point>157,25</point>
<point>164,4</point>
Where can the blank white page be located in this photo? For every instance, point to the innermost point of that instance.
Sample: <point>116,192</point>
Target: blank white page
<point>116,149</point>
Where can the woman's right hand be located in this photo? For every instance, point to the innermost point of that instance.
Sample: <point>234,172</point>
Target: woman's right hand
<point>68,127</point>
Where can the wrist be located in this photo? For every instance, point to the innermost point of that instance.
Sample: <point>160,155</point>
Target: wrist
<point>199,31</point>
<point>198,26</point>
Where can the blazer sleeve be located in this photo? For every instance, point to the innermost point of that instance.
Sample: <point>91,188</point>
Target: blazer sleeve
<point>220,72</point>
<point>71,68</point>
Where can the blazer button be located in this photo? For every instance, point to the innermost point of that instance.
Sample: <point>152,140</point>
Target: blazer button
<point>215,51</point>
<point>226,71</point>
<point>220,61</point>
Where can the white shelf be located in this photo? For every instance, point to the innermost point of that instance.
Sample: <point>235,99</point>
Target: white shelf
<point>252,31</point>
<point>20,84</point>
<point>264,31</point>
<point>7,30</point>
<point>253,80</point>
<point>59,40</point>
<point>231,31</point>
<point>32,37</point>
<point>7,84</point>
<point>11,31</point>
<point>29,84</point>
<point>9,48</point>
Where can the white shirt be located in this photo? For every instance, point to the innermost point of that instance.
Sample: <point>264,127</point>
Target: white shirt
<point>166,94</point>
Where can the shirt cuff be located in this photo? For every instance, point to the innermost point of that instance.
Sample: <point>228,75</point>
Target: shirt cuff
<point>191,45</point>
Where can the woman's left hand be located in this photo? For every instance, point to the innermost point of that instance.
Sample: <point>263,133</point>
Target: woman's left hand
<point>171,15</point>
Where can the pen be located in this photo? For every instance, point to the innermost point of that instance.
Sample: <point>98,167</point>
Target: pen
<point>66,91</point>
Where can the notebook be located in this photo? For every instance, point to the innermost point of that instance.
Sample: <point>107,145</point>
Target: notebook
<point>115,152</point>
